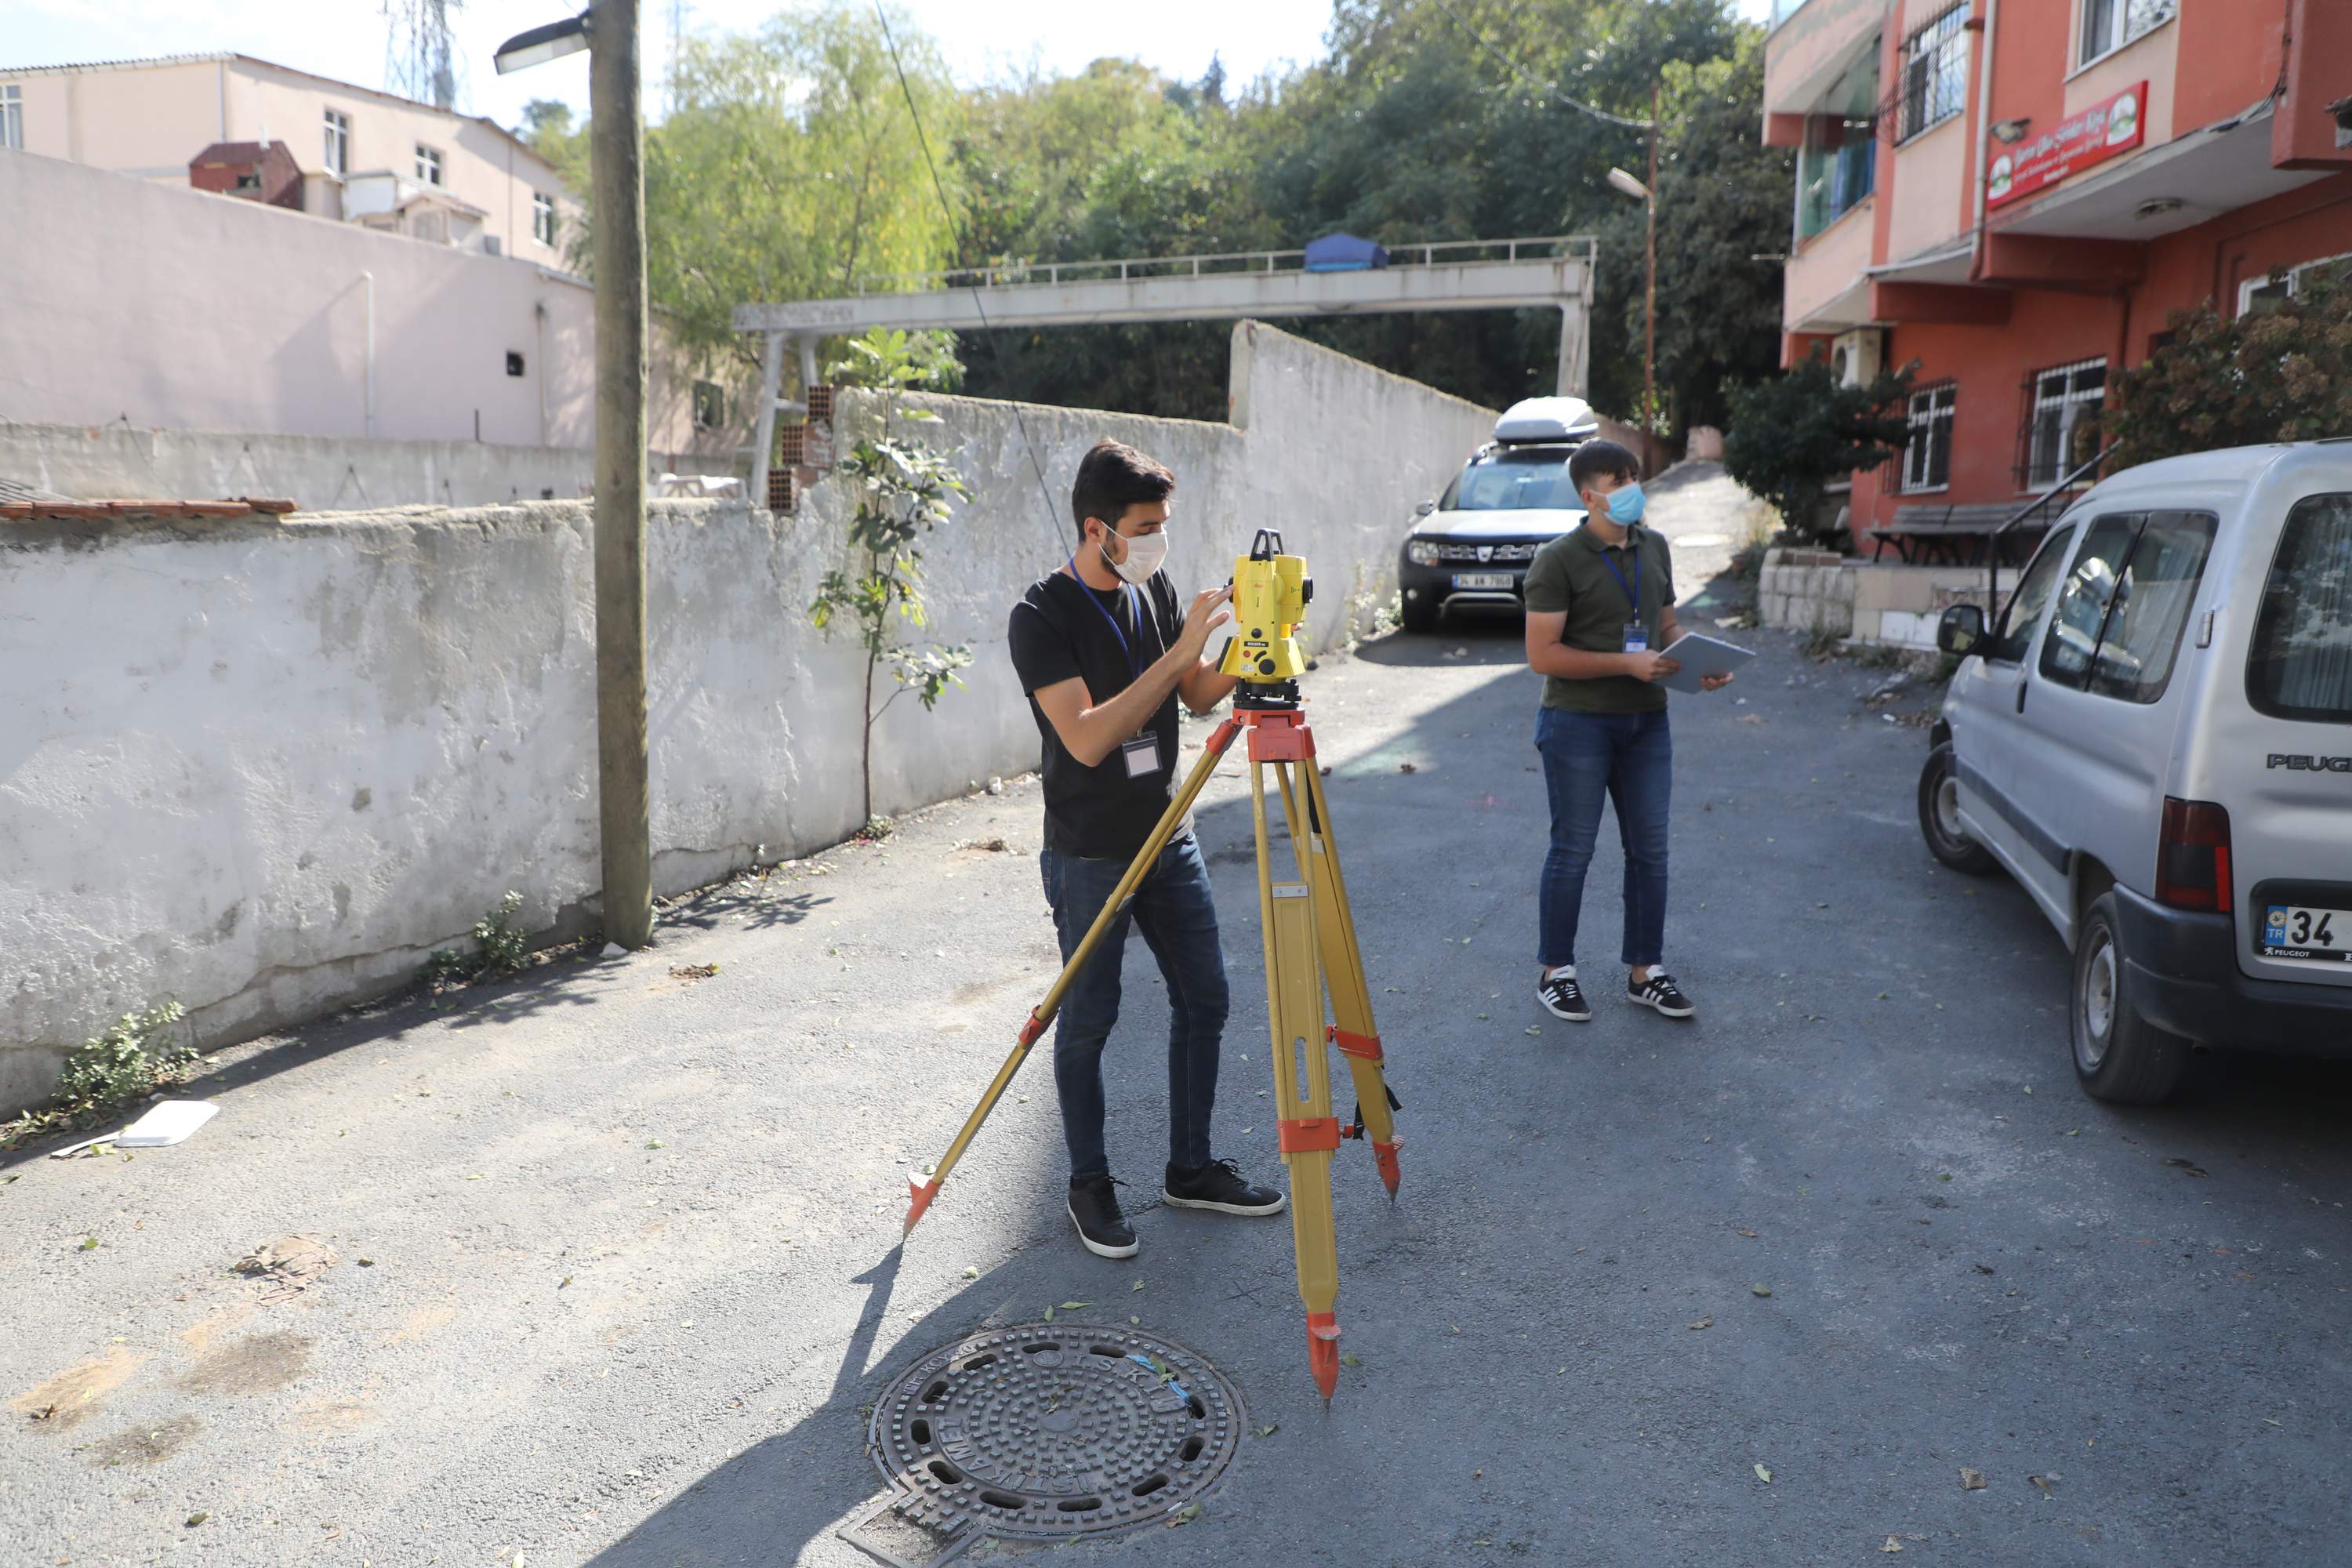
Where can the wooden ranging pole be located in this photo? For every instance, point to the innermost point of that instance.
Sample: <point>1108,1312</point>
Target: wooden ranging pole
<point>616,156</point>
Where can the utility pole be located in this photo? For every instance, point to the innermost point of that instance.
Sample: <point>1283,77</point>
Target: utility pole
<point>616,163</point>
<point>1650,304</point>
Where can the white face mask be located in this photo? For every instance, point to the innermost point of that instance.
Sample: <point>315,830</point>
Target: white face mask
<point>1145,552</point>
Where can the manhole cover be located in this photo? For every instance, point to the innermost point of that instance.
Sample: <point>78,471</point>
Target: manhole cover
<point>1052,1432</point>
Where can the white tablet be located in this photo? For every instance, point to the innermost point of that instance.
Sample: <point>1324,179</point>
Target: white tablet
<point>1701,655</point>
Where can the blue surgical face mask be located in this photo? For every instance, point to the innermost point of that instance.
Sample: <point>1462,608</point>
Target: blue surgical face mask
<point>1625,505</point>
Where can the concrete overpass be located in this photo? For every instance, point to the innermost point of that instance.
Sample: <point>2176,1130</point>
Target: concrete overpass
<point>1551,273</point>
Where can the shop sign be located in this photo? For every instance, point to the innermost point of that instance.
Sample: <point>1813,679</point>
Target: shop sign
<point>2098,134</point>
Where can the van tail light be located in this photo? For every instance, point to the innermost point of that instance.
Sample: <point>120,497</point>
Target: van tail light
<point>2193,857</point>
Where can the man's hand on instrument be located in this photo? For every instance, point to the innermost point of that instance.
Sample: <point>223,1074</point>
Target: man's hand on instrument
<point>1715,682</point>
<point>1211,609</point>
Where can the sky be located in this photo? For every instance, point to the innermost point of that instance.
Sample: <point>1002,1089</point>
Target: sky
<point>347,39</point>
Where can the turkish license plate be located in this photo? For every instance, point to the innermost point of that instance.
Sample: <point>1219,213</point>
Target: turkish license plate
<point>2290,930</point>
<point>1481,579</point>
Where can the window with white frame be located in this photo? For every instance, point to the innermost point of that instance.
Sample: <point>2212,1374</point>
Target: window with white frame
<point>428,163</point>
<point>2109,24</point>
<point>1927,455</point>
<point>12,117</point>
<point>543,217</point>
<point>338,143</point>
<point>2259,295</point>
<point>2059,402</point>
<point>1935,80</point>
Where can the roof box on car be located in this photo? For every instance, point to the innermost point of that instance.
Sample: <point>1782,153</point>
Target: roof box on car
<point>1551,419</point>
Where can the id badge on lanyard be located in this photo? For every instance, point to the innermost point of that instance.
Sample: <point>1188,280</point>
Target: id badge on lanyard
<point>1637,635</point>
<point>1142,756</point>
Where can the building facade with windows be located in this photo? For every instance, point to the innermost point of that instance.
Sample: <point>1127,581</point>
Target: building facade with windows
<point>366,156</point>
<point>2016,194</point>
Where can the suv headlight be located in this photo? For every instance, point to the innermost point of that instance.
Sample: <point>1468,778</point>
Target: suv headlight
<point>1420,552</point>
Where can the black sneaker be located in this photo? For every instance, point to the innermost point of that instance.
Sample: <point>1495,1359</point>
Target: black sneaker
<point>1561,997</point>
<point>1219,1186</point>
<point>1659,991</point>
<point>1093,1209</point>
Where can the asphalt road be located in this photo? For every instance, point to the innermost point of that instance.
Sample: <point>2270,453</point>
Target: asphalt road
<point>618,1251</point>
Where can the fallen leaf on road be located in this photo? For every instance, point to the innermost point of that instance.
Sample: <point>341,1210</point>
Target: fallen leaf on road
<point>1270,1430</point>
<point>1185,1515</point>
<point>1533,1030</point>
<point>1761,1289</point>
<point>1407,768</point>
<point>1049,1314</point>
<point>560,1284</point>
<point>1704,1323</point>
<point>972,1273</point>
<point>693,971</point>
<point>2188,1165</point>
<point>653,1142</point>
<point>1762,1474</point>
<point>1074,1306</point>
<point>197,1517</point>
<point>2044,1484</point>
<point>1350,1361</point>
<point>1972,1480</point>
<point>1137,1285</point>
<point>1892,1545</point>
<point>1750,1234</point>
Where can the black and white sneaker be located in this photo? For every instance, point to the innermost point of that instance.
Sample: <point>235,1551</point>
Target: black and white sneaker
<point>1561,997</point>
<point>1093,1209</point>
<point>1659,991</point>
<point>1219,1186</point>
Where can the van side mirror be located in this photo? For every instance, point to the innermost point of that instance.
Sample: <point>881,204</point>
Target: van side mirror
<point>1962,627</point>
<point>1424,509</point>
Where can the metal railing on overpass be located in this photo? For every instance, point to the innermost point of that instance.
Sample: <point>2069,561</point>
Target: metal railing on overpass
<point>1450,252</point>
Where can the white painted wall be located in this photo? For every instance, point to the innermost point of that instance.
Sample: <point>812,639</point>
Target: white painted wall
<point>265,767</point>
<point>174,308</point>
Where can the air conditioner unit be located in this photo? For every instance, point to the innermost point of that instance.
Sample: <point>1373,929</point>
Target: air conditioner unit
<point>1855,357</point>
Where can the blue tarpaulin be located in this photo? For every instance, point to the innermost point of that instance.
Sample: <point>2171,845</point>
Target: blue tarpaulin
<point>1343,253</point>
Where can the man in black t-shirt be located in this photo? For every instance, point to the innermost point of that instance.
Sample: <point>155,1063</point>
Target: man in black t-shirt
<point>1104,652</point>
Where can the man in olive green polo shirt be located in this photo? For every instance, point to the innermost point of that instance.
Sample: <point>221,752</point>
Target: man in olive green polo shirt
<point>1601,606</point>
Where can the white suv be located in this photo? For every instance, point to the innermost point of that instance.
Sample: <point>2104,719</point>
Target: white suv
<point>2156,740</point>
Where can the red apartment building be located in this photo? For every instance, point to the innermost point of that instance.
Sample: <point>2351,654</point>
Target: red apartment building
<point>2017,192</point>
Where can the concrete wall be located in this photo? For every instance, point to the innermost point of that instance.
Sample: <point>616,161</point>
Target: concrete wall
<point>266,768</point>
<point>179,309</point>
<point>1883,605</point>
<point>318,473</point>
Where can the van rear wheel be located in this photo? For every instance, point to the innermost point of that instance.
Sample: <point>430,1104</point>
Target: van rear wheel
<point>2120,1056</point>
<point>1939,817</point>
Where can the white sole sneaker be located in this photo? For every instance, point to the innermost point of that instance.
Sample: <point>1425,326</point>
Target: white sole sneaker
<point>1562,1013</point>
<point>1100,1248</point>
<point>1173,1201</point>
<point>1659,1007</point>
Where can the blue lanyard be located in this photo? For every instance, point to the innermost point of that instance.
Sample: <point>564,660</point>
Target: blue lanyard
<point>1124,591</point>
<point>1633,593</point>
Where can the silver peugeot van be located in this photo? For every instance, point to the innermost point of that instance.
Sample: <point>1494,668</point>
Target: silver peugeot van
<point>2154,739</point>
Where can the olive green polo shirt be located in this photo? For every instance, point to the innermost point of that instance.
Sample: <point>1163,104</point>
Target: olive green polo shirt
<point>1571,575</point>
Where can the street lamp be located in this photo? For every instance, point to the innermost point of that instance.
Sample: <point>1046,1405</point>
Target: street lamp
<point>617,152</point>
<point>1646,192</point>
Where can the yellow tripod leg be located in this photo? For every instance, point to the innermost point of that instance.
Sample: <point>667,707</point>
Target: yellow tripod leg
<point>1354,1032</point>
<point>1308,1134</point>
<point>921,1190</point>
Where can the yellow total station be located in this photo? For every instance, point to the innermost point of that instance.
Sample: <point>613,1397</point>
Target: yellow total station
<point>1271,592</point>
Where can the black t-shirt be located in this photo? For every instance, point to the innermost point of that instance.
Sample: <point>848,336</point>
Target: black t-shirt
<point>1102,812</point>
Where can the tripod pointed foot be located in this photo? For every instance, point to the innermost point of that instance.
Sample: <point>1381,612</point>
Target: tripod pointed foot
<point>1323,1352</point>
<point>1385,1156</point>
<point>919,1194</point>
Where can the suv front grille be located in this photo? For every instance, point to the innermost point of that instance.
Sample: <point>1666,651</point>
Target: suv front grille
<point>1511,550</point>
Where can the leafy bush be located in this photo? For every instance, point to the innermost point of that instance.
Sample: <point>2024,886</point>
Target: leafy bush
<point>1791,437</point>
<point>499,948</point>
<point>2284,374</point>
<point>130,1060</point>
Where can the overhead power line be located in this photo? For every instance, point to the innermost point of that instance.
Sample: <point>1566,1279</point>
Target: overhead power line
<point>947,211</point>
<point>1545,88</point>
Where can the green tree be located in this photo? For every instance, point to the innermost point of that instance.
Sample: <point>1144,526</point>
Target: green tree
<point>2277,374</point>
<point>904,489</point>
<point>1792,435</point>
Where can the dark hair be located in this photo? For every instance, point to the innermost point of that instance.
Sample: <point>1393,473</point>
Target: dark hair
<point>1112,477</point>
<point>1598,459</point>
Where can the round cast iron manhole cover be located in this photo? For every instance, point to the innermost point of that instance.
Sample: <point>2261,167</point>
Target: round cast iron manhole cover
<point>1055,1431</point>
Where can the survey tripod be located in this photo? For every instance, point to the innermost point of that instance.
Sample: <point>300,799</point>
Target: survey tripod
<point>1309,937</point>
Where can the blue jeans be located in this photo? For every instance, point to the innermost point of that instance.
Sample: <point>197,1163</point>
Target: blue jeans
<point>1172,909</point>
<point>1629,757</point>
